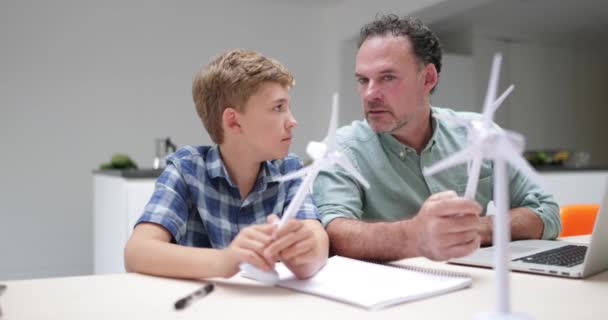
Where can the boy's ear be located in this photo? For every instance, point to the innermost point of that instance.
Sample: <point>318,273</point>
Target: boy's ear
<point>230,120</point>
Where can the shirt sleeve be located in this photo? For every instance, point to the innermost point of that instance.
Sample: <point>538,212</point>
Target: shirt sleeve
<point>337,194</point>
<point>167,206</point>
<point>525,193</point>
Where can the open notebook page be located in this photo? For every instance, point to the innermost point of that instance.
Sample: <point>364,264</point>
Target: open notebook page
<point>372,285</point>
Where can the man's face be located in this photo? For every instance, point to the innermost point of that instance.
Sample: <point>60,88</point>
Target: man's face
<point>267,122</point>
<point>391,83</point>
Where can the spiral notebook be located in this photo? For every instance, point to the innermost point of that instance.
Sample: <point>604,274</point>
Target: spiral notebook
<point>372,285</point>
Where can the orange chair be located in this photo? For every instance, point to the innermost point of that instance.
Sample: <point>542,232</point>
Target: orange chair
<point>578,219</point>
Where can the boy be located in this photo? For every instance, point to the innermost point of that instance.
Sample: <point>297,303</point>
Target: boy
<point>212,206</point>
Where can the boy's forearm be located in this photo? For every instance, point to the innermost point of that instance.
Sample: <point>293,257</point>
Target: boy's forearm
<point>155,257</point>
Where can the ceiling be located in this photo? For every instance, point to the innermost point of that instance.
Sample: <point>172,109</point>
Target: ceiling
<point>551,20</point>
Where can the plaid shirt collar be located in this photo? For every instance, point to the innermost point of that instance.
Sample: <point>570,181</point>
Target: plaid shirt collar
<point>216,168</point>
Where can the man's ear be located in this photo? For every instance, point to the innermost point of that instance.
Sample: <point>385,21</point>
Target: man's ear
<point>230,120</point>
<point>430,76</point>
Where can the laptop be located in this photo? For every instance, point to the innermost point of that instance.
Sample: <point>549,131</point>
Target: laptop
<point>554,257</point>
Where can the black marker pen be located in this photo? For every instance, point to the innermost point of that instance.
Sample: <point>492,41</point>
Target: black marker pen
<point>187,300</point>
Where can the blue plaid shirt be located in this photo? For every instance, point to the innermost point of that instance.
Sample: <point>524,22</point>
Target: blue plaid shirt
<point>198,203</point>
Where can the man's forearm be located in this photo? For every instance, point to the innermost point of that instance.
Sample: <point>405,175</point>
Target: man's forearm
<point>382,241</point>
<point>525,224</point>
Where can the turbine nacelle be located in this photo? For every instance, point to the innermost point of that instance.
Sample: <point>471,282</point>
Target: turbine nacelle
<point>316,150</point>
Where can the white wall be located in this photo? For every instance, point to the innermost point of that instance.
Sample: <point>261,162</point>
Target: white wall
<point>590,103</point>
<point>542,107</point>
<point>80,80</point>
<point>456,87</point>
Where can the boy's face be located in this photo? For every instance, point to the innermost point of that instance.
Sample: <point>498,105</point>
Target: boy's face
<point>266,122</point>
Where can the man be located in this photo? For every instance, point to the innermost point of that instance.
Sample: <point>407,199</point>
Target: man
<point>405,214</point>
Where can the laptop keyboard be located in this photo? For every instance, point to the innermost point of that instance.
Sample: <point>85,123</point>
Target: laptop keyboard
<point>566,256</point>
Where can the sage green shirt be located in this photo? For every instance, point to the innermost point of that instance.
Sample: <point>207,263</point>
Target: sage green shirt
<point>398,188</point>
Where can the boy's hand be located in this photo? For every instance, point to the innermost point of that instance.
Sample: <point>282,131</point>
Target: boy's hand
<point>248,246</point>
<point>298,244</point>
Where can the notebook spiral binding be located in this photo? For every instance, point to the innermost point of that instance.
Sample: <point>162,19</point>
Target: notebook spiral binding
<point>433,271</point>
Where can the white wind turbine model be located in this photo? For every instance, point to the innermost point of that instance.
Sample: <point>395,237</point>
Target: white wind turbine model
<point>324,156</point>
<point>486,140</point>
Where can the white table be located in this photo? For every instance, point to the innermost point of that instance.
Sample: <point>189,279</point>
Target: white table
<point>135,296</point>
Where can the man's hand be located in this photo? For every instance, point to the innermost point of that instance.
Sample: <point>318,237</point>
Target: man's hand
<point>248,246</point>
<point>485,229</point>
<point>301,244</point>
<point>447,226</point>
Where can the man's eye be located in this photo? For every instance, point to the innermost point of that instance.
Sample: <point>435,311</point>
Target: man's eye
<point>278,108</point>
<point>362,80</point>
<point>388,77</point>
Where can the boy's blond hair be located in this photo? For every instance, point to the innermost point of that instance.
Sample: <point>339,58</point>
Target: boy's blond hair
<point>228,81</point>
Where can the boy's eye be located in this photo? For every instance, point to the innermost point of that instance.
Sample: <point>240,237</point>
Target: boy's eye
<point>278,107</point>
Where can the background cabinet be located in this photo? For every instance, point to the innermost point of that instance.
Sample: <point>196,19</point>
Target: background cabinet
<point>118,201</point>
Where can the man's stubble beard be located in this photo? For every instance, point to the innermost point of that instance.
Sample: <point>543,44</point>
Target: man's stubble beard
<point>398,124</point>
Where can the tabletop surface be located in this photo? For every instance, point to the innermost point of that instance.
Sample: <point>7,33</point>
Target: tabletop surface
<point>136,296</point>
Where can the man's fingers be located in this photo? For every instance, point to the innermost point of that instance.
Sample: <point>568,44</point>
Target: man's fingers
<point>443,195</point>
<point>457,206</point>
<point>459,223</point>
<point>463,249</point>
<point>458,238</point>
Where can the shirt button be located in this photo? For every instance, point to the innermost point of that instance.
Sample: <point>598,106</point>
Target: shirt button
<point>401,155</point>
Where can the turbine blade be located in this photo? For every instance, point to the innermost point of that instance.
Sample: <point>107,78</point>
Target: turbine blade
<point>293,175</point>
<point>526,169</point>
<point>492,87</point>
<point>298,199</point>
<point>333,123</point>
<point>516,141</point>
<point>345,163</point>
<point>473,179</point>
<point>460,157</point>
<point>499,101</point>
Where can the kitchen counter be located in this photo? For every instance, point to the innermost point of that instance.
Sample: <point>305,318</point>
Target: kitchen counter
<point>131,173</point>
<point>570,169</point>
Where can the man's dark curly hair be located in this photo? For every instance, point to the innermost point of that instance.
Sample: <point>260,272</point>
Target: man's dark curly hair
<point>425,42</point>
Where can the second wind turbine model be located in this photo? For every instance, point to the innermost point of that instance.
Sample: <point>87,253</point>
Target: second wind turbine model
<point>486,140</point>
